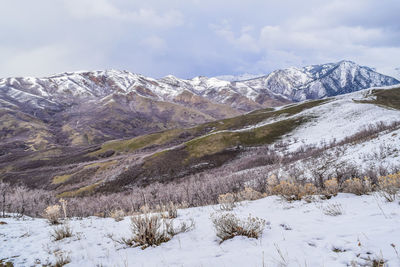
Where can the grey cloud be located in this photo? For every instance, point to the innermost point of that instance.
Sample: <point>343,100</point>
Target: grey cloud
<point>189,38</point>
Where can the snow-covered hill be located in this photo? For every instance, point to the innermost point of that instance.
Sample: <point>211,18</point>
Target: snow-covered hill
<point>297,234</point>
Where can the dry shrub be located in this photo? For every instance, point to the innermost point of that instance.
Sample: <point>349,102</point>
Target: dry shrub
<point>333,209</point>
<point>61,232</point>
<point>272,181</point>
<point>145,208</point>
<point>227,201</point>
<point>64,207</point>
<point>357,186</point>
<point>62,258</point>
<point>152,230</point>
<point>389,186</point>
<point>117,214</point>
<point>331,188</point>
<point>292,191</point>
<point>249,194</point>
<point>169,211</point>
<point>52,214</point>
<point>228,226</point>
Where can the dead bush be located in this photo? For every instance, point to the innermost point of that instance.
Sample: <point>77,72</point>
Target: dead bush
<point>64,207</point>
<point>52,214</point>
<point>227,201</point>
<point>228,226</point>
<point>272,181</point>
<point>333,209</point>
<point>249,194</point>
<point>169,211</point>
<point>292,191</point>
<point>331,188</point>
<point>61,232</point>
<point>117,214</point>
<point>389,186</point>
<point>357,186</point>
<point>62,258</point>
<point>152,230</point>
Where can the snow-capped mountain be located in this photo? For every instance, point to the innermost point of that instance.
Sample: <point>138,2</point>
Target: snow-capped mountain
<point>397,73</point>
<point>238,78</point>
<point>319,81</point>
<point>88,107</point>
<point>292,84</point>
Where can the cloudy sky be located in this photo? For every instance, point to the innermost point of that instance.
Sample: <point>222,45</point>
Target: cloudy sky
<point>187,38</point>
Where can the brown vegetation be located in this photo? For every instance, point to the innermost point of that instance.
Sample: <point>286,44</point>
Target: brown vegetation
<point>228,226</point>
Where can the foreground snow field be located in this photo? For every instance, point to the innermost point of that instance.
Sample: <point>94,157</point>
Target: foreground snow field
<point>297,234</point>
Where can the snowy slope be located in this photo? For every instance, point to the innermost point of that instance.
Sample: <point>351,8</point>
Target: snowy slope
<point>297,234</point>
<point>341,117</point>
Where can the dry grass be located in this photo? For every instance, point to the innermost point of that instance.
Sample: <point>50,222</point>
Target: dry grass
<point>331,188</point>
<point>117,214</point>
<point>357,186</point>
<point>62,258</point>
<point>291,191</point>
<point>228,226</point>
<point>249,193</point>
<point>61,232</point>
<point>61,178</point>
<point>389,186</point>
<point>227,201</point>
<point>169,211</point>
<point>152,230</point>
<point>333,209</point>
<point>86,190</point>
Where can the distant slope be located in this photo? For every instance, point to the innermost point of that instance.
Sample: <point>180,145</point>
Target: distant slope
<point>175,154</point>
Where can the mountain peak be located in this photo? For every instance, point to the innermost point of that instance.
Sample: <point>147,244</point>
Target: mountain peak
<point>346,61</point>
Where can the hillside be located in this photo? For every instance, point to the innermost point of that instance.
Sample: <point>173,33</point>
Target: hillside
<point>325,130</point>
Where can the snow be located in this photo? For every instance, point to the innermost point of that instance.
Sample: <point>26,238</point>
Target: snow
<point>383,150</point>
<point>300,231</point>
<point>241,77</point>
<point>341,117</point>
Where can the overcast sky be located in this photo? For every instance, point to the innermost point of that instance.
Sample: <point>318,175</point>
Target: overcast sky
<point>188,38</point>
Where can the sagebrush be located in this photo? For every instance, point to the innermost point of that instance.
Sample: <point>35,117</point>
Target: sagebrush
<point>228,226</point>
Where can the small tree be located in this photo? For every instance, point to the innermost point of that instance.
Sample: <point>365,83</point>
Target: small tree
<point>3,193</point>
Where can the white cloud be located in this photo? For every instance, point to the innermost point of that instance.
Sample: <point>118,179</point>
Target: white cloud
<point>86,9</point>
<point>244,41</point>
<point>191,37</point>
<point>289,44</point>
<point>45,60</point>
<point>155,43</point>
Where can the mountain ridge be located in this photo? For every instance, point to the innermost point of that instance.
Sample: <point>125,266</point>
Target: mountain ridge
<point>90,107</point>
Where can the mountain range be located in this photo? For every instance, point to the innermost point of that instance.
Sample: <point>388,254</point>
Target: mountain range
<point>90,107</point>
